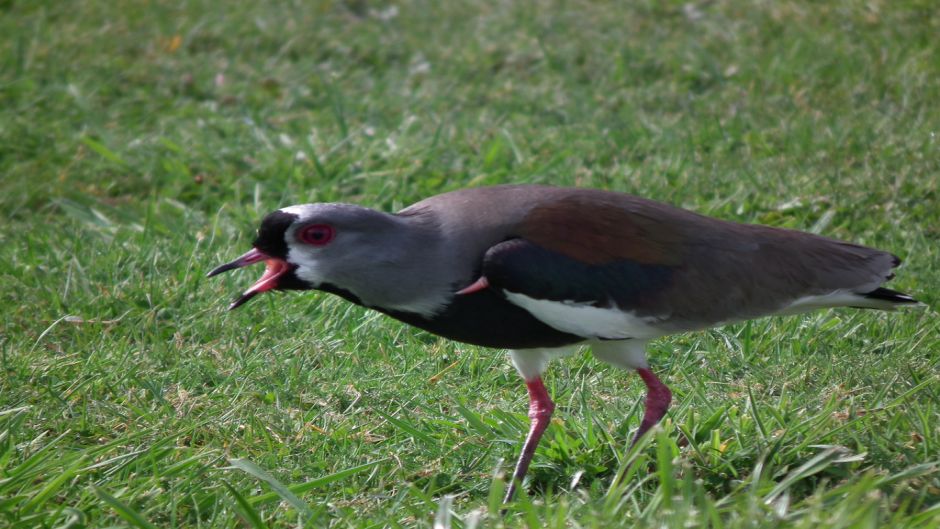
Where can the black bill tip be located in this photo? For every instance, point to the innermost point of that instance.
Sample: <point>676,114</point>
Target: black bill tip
<point>245,298</point>
<point>252,256</point>
<point>224,268</point>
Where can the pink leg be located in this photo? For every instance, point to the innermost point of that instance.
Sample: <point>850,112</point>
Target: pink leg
<point>658,398</point>
<point>540,412</point>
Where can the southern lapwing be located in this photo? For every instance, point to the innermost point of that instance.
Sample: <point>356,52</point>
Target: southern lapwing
<point>540,269</point>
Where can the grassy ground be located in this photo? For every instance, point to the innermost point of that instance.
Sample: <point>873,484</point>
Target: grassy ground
<point>140,144</point>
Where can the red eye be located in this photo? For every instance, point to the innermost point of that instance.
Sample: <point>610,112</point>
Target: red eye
<point>317,234</point>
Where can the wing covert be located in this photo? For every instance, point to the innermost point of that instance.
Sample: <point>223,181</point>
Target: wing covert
<point>523,267</point>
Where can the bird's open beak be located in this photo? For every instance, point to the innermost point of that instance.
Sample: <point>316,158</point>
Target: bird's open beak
<point>274,269</point>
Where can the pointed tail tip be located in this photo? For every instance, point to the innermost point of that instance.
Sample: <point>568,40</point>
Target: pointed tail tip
<point>893,297</point>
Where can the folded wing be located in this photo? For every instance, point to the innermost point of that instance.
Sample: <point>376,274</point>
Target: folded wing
<point>615,266</point>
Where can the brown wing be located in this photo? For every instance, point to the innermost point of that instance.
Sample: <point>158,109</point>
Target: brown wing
<point>717,270</point>
<point>594,230</point>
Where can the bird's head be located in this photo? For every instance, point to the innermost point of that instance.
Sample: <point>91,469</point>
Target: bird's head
<point>322,246</point>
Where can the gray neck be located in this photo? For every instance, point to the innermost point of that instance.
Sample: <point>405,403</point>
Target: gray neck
<point>413,271</point>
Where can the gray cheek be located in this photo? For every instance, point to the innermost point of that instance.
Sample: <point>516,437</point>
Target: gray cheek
<point>310,275</point>
<point>308,269</point>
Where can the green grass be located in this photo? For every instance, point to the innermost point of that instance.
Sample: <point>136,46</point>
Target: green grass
<point>140,144</point>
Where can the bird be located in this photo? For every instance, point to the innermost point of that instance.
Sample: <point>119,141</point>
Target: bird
<point>543,270</point>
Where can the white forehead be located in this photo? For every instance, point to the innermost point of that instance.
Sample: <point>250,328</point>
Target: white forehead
<point>301,210</point>
<point>334,212</point>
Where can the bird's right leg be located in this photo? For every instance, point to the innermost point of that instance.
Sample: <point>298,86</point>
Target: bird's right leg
<point>631,354</point>
<point>658,398</point>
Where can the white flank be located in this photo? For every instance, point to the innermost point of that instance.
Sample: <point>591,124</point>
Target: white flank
<point>838,298</point>
<point>530,363</point>
<point>629,354</point>
<point>582,319</point>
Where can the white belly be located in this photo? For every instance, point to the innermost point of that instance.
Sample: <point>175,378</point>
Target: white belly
<point>582,319</point>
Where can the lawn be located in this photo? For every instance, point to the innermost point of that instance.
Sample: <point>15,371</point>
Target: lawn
<point>141,142</point>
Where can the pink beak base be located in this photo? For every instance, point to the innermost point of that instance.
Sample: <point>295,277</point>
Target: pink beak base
<point>274,269</point>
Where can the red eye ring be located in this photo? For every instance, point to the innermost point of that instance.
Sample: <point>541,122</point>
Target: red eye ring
<point>317,234</point>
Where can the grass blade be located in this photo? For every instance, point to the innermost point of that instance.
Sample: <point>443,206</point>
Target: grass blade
<point>301,488</point>
<point>123,510</point>
<point>248,512</point>
<point>257,472</point>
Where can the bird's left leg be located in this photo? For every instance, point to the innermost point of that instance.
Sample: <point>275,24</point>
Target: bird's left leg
<point>540,414</point>
<point>531,364</point>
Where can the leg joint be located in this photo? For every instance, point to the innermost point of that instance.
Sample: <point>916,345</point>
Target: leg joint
<point>541,410</point>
